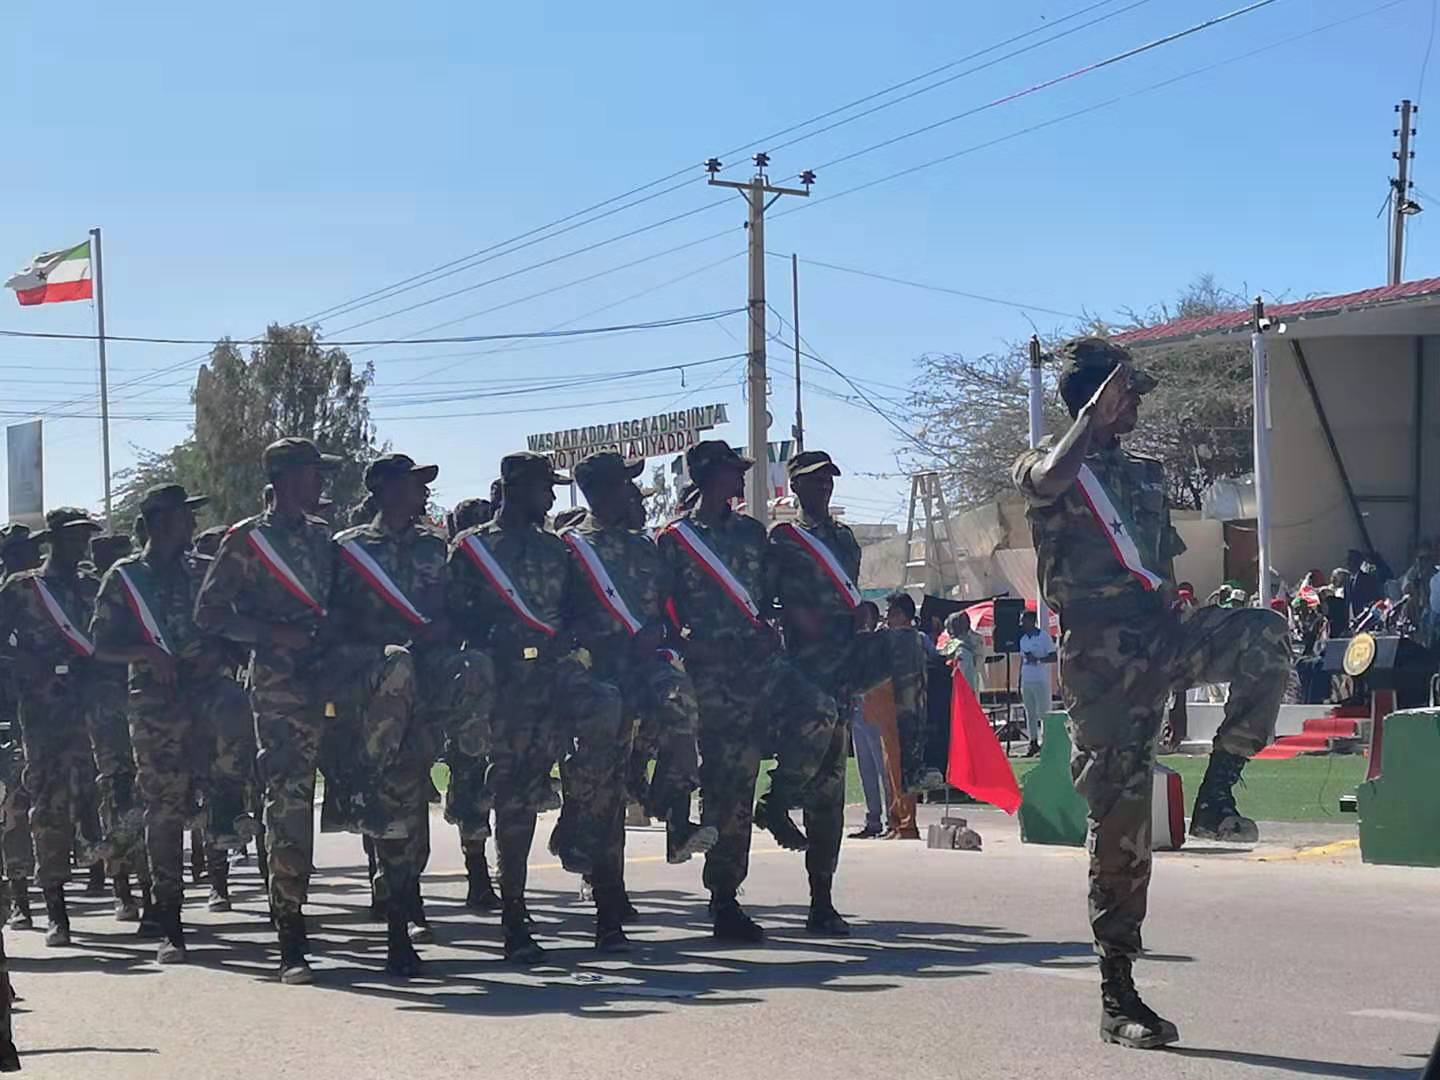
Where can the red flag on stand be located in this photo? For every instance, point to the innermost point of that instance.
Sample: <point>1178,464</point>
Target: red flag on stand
<point>978,765</point>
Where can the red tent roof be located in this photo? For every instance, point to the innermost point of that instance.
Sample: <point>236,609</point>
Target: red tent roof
<point>1231,321</point>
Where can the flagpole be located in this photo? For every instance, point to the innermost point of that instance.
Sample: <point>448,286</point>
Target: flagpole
<point>104,379</point>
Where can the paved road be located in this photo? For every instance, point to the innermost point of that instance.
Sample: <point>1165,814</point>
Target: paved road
<point>1290,960</point>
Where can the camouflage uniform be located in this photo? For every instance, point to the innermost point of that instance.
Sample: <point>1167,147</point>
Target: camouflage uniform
<point>189,738</point>
<point>549,705</point>
<point>1122,652</point>
<point>54,698</point>
<point>289,713</point>
<point>751,698</point>
<point>450,689</point>
<point>661,713</point>
<point>843,664</point>
<point>17,853</point>
<point>114,758</point>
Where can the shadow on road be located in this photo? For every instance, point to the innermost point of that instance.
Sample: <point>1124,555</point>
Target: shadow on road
<point>674,959</point>
<point>1303,1066</point>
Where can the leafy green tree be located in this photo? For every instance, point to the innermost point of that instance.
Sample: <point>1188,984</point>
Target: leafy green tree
<point>288,384</point>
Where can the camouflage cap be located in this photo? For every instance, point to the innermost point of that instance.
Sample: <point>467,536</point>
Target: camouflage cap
<point>15,534</point>
<point>388,466</point>
<point>812,461</point>
<point>607,467</point>
<point>710,453</point>
<point>526,466</point>
<point>292,453</point>
<point>66,517</point>
<point>470,512</point>
<point>169,497</point>
<point>110,543</point>
<point>1092,358</point>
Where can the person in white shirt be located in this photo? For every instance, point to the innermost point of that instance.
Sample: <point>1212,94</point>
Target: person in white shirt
<point>1037,653</point>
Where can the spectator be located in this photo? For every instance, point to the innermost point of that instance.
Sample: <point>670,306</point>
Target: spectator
<point>1037,653</point>
<point>964,648</point>
<point>869,748</point>
<point>879,707</point>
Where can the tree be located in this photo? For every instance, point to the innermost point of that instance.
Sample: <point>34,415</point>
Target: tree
<point>971,415</point>
<point>288,385</point>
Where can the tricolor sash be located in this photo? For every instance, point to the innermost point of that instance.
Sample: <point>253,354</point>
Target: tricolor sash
<point>600,581</point>
<point>280,570</point>
<point>374,575</point>
<point>73,637</point>
<point>149,625</point>
<point>499,580</point>
<point>713,567</point>
<point>820,552</point>
<point>1116,529</point>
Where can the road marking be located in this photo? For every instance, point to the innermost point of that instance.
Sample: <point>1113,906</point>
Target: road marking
<point>1319,851</point>
<point>1397,1014</point>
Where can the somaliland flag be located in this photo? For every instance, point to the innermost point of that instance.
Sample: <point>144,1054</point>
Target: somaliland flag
<point>978,765</point>
<point>53,276</point>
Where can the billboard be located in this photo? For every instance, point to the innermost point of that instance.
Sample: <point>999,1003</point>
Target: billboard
<point>26,464</point>
<point>641,437</point>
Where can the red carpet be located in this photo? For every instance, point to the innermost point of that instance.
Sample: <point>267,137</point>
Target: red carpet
<point>1314,739</point>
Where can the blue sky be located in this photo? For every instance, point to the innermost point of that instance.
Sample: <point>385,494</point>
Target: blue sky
<point>262,162</point>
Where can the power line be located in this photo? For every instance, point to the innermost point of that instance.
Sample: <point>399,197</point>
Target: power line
<point>469,339</point>
<point>963,74</point>
<point>933,288</point>
<point>455,265</point>
<point>1046,84</point>
<point>1086,110</point>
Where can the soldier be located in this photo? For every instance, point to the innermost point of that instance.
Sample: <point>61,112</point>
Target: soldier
<point>267,590</point>
<point>44,610</point>
<point>182,701</point>
<point>514,585</point>
<point>814,565</point>
<point>390,596</point>
<point>121,817</point>
<point>18,551</point>
<point>467,800</point>
<point>621,623</point>
<point>1105,547</point>
<point>751,699</point>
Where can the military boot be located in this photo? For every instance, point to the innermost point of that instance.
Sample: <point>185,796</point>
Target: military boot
<point>401,959</point>
<point>1215,816</point>
<point>172,946</point>
<point>824,920</point>
<point>520,945</point>
<point>732,924</point>
<point>683,838</point>
<point>1125,1020</point>
<point>20,917</point>
<point>219,899</point>
<point>771,816</point>
<point>609,921</point>
<point>294,968</point>
<point>422,934</point>
<point>479,891</point>
<point>59,929</point>
<point>125,907</point>
<point>95,883</point>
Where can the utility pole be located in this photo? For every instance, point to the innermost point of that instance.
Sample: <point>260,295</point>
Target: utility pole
<point>757,485</point>
<point>799,429</point>
<point>1401,205</point>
